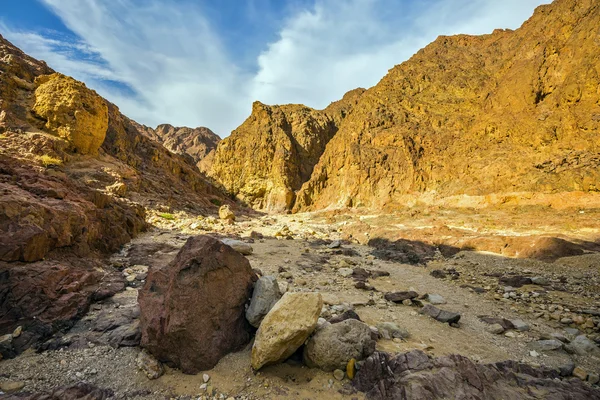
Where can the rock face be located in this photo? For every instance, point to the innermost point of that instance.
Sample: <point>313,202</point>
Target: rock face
<point>72,111</point>
<point>513,111</point>
<point>414,375</point>
<point>192,310</point>
<point>332,346</point>
<point>285,328</point>
<point>192,143</point>
<point>265,295</point>
<point>273,152</point>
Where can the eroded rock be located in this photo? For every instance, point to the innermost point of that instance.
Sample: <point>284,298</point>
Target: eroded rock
<point>192,310</point>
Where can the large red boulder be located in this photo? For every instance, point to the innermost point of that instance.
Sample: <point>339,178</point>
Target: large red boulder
<point>192,310</point>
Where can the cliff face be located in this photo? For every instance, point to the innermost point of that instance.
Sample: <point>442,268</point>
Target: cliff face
<point>514,111</point>
<point>192,143</point>
<point>268,158</point>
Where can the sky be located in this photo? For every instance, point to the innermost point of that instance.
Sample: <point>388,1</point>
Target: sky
<point>203,62</point>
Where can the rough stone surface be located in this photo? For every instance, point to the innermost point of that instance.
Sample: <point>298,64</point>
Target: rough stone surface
<point>72,111</point>
<point>192,310</point>
<point>334,345</point>
<point>285,328</point>
<point>265,295</point>
<point>415,376</point>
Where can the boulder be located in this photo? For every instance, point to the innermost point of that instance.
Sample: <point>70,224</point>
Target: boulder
<point>239,246</point>
<point>192,310</point>
<point>72,111</point>
<point>266,294</point>
<point>285,328</point>
<point>333,346</point>
<point>226,214</point>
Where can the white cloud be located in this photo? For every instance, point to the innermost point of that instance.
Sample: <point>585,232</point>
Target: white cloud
<point>179,72</point>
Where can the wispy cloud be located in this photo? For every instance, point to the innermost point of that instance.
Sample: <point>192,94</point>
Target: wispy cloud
<point>164,61</point>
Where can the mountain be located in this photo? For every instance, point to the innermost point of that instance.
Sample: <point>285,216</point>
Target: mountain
<point>268,158</point>
<point>474,118</point>
<point>76,181</point>
<point>192,143</point>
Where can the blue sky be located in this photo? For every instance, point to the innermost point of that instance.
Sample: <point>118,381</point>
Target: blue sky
<point>203,62</point>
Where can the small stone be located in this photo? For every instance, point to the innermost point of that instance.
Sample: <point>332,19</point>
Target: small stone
<point>130,278</point>
<point>11,386</point>
<point>239,246</point>
<point>583,346</point>
<point>510,334</point>
<point>351,368</point>
<point>203,386</point>
<point>336,244</point>
<point>149,365</point>
<point>580,373</point>
<point>338,374</point>
<point>548,345</point>
<point>566,321</point>
<point>345,272</point>
<point>593,378</point>
<point>534,353</point>
<point>206,378</point>
<point>407,302</point>
<point>17,332</point>
<point>520,325</point>
<point>540,280</point>
<point>435,299</point>
<point>566,370</point>
<point>440,315</point>
<point>496,329</point>
<point>389,331</point>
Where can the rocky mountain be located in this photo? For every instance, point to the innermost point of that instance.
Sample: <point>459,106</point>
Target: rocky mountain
<point>268,158</point>
<point>77,178</point>
<point>512,112</point>
<point>195,144</point>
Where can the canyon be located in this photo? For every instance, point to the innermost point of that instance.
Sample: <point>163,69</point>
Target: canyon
<point>434,235</point>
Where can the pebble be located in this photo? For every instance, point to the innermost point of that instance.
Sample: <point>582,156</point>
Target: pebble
<point>534,353</point>
<point>339,374</point>
<point>496,329</point>
<point>345,272</point>
<point>593,378</point>
<point>520,325</point>
<point>11,386</point>
<point>580,373</point>
<point>206,378</point>
<point>17,332</point>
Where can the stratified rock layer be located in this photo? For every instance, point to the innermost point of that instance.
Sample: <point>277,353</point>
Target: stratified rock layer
<point>192,310</point>
<point>273,152</point>
<point>513,111</point>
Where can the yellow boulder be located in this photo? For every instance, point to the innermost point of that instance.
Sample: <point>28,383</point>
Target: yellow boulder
<point>72,111</point>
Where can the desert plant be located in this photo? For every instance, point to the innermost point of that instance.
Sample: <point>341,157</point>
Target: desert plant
<point>49,161</point>
<point>168,216</point>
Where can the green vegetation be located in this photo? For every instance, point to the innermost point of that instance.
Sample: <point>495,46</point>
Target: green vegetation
<point>216,202</point>
<point>168,216</point>
<point>48,161</point>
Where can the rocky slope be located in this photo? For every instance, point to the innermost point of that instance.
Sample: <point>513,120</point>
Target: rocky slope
<point>76,178</point>
<point>513,111</point>
<point>268,158</point>
<point>195,144</point>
